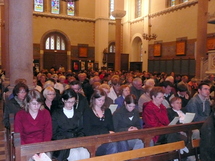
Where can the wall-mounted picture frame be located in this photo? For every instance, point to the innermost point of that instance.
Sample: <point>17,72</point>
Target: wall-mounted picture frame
<point>82,51</point>
<point>211,43</point>
<point>181,48</point>
<point>83,65</point>
<point>75,65</point>
<point>157,50</point>
<point>90,65</point>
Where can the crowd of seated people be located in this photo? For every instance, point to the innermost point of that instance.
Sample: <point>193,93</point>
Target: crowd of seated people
<point>82,100</point>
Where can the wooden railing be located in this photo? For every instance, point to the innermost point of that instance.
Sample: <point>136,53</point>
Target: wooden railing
<point>24,152</point>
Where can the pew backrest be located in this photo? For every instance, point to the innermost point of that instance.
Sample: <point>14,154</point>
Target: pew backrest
<point>23,152</point>
<point>139,153</point>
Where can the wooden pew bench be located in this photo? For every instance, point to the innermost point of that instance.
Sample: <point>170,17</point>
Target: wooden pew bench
<point>139,153</point>
<point>24,152</point>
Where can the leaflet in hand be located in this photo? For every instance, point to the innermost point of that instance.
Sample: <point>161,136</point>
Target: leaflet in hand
<point>188,118</point>
<point>174,121</point>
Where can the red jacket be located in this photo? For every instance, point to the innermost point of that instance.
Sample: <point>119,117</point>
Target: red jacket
<point>154,116</point>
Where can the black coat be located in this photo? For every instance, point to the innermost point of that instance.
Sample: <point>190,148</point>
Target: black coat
<point>65,128</point>
<point>207,141</point>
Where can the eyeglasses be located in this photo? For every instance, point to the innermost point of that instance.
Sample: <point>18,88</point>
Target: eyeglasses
<point>51,94</point>
<point>70,102</point>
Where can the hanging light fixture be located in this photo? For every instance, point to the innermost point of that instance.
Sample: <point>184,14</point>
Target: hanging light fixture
<point>149,36</point>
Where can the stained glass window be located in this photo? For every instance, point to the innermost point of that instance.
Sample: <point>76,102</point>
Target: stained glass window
<point>71,8</point>
<point>138,6</point>
<point>38,5</point>
<point>55,6</point>
<point>172,3</point>
<point>55,42</point>
<point>111,9</point>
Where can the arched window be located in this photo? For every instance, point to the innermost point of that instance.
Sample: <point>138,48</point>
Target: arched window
<point>38,5</point>
<point>55,42</point>
<point>138,7</point>
<point>111,9</point>
<point>112,48</point>
<point>55,6</point>
<point>71,8</point>
<point>172,3</point>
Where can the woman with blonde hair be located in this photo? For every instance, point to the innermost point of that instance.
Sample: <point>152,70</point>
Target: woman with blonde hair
<point>49,103</point>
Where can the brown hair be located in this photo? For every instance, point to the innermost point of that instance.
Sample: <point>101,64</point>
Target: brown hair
<point>130,99</point>
<point>154,92</point>
<point>97,94</point>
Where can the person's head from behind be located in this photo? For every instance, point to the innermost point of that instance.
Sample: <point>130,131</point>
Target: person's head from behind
<point>157,95</point>
<point>33,101</point>
<point>176,103</point>
<point>105,88</point>
<point>130,102</point>
<point>20,90</point>
<point>137,83</point>
<point>98,99</point>
<point>147,89</point>
<point>124,90</point>
<point>49,93</point>
<point>49,83</point>
<point>204,90</point>
<point>69,98</point>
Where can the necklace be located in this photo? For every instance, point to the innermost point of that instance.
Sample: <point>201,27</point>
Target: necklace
<point>100,118</point>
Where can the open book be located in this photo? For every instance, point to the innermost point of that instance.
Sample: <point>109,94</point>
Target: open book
<point>188,119</point>
<point>113,107</point>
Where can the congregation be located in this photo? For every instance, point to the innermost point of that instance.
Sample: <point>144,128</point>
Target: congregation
<point>67,105</point>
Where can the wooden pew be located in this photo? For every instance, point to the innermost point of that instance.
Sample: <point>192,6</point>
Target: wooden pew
<point>23,152</point>
<point>148,151</point>
<point>195,145</point>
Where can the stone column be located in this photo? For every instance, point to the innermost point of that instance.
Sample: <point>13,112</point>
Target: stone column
<point>101,29</point>
<point>20,41</point>
<point>201,34</point>
<point>118,13</point>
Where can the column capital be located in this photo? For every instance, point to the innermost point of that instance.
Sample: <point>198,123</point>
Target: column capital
<point>118,14</point>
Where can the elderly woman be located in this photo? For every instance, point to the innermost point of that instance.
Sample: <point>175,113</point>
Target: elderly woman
<point>16,103</point>
<point>155,115</point>
<point>49,94</point>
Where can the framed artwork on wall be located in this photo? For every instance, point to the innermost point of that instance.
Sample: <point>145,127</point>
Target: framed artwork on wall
<point>180,47</point>
<point>82,51</point>
<point>83,65</point>
<point>211,43</point>
<point>157,50</point>
<point>75,65</point>
<point>89,65</point>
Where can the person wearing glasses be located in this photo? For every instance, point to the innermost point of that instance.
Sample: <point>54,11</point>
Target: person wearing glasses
<point>33,122</point>
<point>67,122</point>
<point>16,103</point>
<point>98,120</point>
<point>49,94</point>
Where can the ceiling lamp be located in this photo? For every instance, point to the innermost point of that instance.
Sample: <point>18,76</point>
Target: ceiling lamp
<point>149,37</point>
